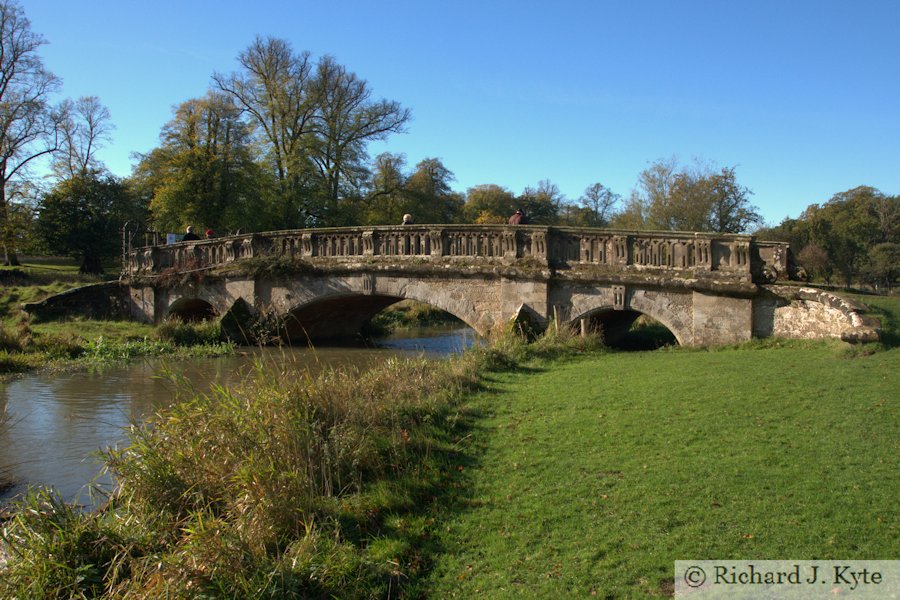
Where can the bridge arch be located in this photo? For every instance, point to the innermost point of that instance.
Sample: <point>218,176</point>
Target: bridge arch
<point>191,309</point>
<point>342,315</point>
<point>616,324</point>
<point>617,321</point>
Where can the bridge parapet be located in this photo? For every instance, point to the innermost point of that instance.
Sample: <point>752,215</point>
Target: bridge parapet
<point>687,254</point>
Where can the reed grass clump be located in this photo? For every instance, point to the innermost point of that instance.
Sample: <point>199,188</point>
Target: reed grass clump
<point>183,333</point>
<point>10,340</point>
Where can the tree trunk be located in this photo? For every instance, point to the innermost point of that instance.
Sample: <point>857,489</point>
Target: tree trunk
<point>6,237</point>
<point>91,265</point>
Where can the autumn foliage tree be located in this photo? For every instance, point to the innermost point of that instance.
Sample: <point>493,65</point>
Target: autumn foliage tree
<point>850,235</point>
<point>489,203</point>
<point>204,172</point>
<point>670,197</point>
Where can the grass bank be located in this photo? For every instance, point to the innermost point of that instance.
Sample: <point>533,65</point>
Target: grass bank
<point>408,314</point>
<point>645,459</point>
<point>591,476</point>
<point>27,344</point>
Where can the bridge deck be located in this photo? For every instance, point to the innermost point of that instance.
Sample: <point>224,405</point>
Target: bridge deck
<point>729,255</point>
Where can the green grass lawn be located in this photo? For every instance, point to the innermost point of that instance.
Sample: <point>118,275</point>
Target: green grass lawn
<point>591,477</point>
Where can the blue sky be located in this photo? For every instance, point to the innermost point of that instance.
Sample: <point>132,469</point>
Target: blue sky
<point>802,97</point>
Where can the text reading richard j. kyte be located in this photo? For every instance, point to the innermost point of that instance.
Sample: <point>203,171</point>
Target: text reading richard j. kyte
<point>788,579</point>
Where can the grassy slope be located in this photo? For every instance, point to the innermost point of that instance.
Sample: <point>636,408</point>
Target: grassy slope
<point>27,344</point>
<point>594,476</point>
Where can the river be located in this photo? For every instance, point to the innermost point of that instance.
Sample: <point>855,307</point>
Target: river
<point>58,422</point>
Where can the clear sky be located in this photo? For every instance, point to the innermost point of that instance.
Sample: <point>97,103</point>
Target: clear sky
<point>803,97</point>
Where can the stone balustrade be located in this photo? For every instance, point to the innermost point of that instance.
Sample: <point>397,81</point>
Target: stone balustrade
<point>739,256</point>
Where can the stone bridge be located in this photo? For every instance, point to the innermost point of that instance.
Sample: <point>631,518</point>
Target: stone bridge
<point>705,288</point>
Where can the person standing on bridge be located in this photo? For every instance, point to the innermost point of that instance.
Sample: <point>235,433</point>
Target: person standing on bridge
<point>189,235</point>
<point>407,219</point>
<point>518,218</point>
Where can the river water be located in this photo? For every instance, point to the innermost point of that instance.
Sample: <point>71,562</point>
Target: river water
<point>57,423</point>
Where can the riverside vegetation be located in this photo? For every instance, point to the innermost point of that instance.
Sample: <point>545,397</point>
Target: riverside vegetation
<point>293,484</point>
<point>27,344</point>
<point>475,474</point>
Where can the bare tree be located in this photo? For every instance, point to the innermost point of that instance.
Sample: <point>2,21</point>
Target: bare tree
<point>275,88</point>
<point>600,201</point>
<point>346,120</point>
<point>28,125</point>
<point>84,125</point>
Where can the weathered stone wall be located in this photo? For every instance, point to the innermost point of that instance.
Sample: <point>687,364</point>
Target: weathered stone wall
<point>808,319</point>
<point>721,319</point>
<point>219,292</point>
<point>477,300</point>
<point>808,313</point>
<point>575,300</point>
<point>142,303</point>
<point>109,300</point>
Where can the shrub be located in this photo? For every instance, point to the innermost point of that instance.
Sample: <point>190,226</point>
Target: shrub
<point>181,333</point>
<point>9,340</point>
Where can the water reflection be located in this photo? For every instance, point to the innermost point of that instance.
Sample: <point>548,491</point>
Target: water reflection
<point>57,422</point>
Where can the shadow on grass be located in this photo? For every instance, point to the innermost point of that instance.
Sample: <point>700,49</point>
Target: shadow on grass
<point>396,520</point>
<point>450,497</point>
<point>890,326</point>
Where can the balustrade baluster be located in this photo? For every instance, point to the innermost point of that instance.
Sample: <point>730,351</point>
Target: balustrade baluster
<point>727,253</point>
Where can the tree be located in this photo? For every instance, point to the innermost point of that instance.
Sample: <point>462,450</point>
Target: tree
<point>84,125</point>
<point>345,120</point>
<point>688,205</point>
<point>600,202</point>
<point>842,235</point>
<point>385,201</point>
<point>652,199</point>
<point>542,204</point>
<point>815,260</point>
<point>82,217</point>
<point>314,121</point>
<point>28,125</point>
<point>847,227</point>
<point>730,210</point>
<point>489,203</point>
<point>633,214</point>
<point>883,268</point>
<point>425,193</point>
<point>431,198</point>
<point>276,89</point>
<point>699,199</point>
<point>204,172</point>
